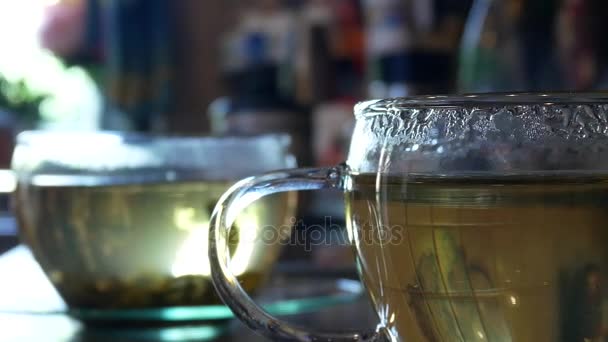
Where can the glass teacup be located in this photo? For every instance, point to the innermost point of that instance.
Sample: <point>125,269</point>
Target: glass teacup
<point>121,221</point>
<point>473,218</point>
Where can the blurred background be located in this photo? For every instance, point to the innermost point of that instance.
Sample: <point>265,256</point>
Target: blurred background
<point>297,66</point>
<point>200,67</point>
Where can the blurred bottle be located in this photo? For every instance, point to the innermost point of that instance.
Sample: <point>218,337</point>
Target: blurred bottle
<point>412,45</point>
<point>331,73</point>
<point>258,67</point>
<point>330,51</point>
<point>528,45</point>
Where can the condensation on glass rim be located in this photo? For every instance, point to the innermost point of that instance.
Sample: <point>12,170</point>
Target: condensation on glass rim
<point>488,133</point>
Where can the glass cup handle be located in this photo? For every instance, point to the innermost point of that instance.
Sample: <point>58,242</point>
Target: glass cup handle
<point>230,204</point>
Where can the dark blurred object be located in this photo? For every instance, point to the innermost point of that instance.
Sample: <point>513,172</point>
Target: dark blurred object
<point>198,29</point>
<point>330,60</point>
<point>126,46</point>
<point>8,233</point>
<point>412,46</point>
<point>330,73</point>
<point>263,39</point>
<point>526,45</point>
<point>258,64</point>
<point>138,48</point>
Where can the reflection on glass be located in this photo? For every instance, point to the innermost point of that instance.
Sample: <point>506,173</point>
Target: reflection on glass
<point>191,257</point>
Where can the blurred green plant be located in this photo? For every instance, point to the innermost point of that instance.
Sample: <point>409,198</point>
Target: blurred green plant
<point>17,98</point>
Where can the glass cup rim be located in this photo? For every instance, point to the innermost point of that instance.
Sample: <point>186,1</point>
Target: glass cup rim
<point>33,137</point>
<point>481,100</point>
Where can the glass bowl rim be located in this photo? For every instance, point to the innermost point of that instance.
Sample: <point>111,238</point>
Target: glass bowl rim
<point>482,100</point>
<point>33,137</point>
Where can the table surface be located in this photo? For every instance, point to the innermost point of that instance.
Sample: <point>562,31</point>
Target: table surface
<point>45,327</point>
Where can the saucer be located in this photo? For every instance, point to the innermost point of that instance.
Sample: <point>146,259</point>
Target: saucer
<point>26,290</point>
